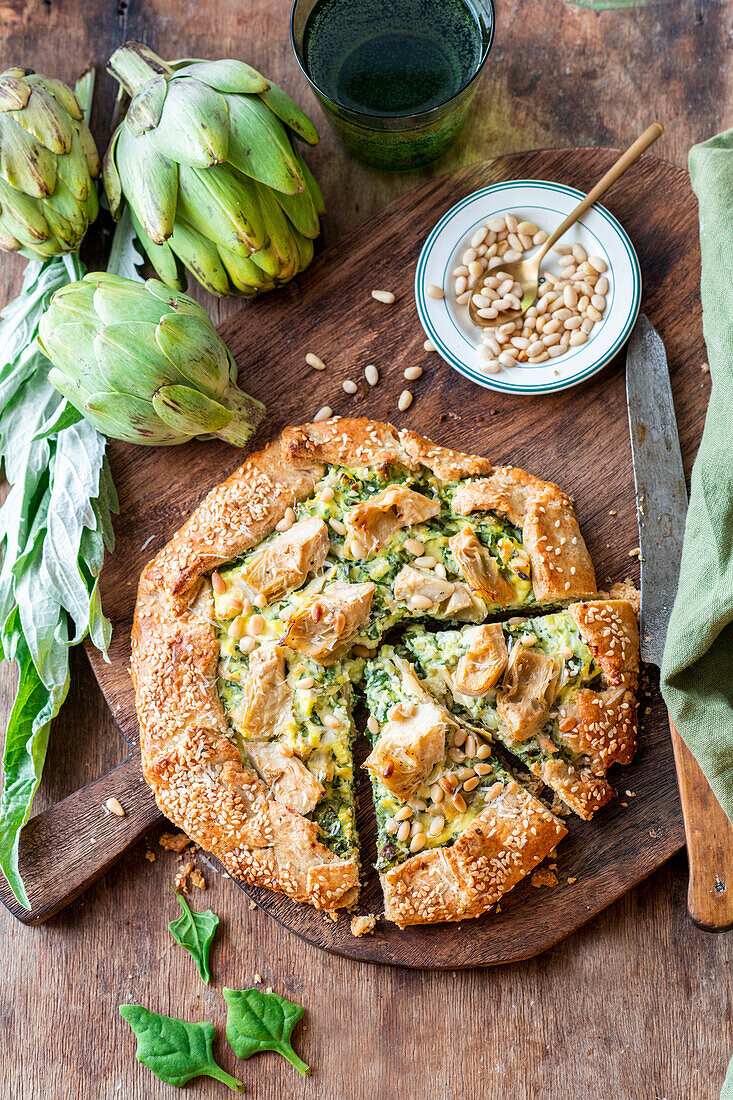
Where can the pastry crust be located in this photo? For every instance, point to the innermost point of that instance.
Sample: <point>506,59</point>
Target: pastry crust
<point>503,843</point>
<point>189,761</point>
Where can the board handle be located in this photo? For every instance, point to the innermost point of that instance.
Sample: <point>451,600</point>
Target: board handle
<point>709,836</point>
<point>65,848</point>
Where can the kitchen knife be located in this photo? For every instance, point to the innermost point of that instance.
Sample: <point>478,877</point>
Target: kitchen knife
<point>661,502</point>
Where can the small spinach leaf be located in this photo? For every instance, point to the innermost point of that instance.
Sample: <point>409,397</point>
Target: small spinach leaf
<point>195,931</point>
<point>175,1050</point>
<point>259,1021</point>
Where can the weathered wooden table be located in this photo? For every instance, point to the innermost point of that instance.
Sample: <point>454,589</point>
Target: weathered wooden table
<point>638,1004</point>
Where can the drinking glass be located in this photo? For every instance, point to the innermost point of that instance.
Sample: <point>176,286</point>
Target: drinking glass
<point>394,141</point>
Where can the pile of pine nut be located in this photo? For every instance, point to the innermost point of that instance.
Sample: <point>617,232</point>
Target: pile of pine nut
<point>572,303</point>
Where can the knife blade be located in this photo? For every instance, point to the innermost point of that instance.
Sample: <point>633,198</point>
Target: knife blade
<point>661,501</point>
<point>659,476</point>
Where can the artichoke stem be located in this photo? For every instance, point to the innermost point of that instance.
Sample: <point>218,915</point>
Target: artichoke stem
<point>134,64</point>
<point>247,413</point>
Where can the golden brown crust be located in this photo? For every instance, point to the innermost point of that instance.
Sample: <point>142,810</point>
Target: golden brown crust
<point>579,788</point>
<point>503,843</point>
<point>610,630</point>
<point>561,565</point>
<point>602,726</point>
<point>195,771</point>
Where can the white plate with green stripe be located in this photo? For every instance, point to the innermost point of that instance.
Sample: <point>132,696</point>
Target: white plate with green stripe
<point>546,204</point>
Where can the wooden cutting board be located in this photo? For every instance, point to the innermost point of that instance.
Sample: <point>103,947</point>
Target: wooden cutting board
<point>578,439</point>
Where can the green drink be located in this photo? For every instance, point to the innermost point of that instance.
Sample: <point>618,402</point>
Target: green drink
<point>396,77</point>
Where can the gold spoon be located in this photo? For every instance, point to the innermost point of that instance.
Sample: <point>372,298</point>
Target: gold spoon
<point>527,272</point>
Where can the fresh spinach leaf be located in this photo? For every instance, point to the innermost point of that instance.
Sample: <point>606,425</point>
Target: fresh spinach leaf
<point>175,1050</point>
<point>195,931</point>
<point>259,1021</point>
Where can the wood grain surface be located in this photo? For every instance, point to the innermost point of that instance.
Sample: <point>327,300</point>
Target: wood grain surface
<point>635,1005</point>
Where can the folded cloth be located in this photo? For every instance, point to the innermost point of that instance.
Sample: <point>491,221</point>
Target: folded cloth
<point>697,670</point>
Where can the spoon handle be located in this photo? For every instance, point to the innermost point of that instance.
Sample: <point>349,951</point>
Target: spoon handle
<point>632,154</point>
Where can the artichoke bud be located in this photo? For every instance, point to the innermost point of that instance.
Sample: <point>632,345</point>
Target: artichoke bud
<point>207,160</point>
<point>144,364</point>
<point>48,161</point>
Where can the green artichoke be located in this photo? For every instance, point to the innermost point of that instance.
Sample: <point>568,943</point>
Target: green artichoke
<point>207,162</point>
<point>144,364</point>
<point>48,161</point>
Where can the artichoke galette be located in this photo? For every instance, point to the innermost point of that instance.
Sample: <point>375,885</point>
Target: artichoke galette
<point>346,561</point>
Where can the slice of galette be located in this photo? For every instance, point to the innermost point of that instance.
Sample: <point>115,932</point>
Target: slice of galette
<point>455,829</point>
<point>558,691</point>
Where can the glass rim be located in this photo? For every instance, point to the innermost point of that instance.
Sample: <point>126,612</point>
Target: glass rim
<point>393,122</point>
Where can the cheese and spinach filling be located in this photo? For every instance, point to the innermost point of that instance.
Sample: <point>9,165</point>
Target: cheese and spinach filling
<point>369,550</point>
<point>556,663</point>
<point>430,772</point>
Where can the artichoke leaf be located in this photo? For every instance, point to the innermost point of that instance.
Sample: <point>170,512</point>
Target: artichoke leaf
<point>259,145</point>
<point>146,108</point>
<point>305,249</point>
<point>310,180</point>
<point>24,216</point>
<point>71,388</point>
<point>90,149</point>
<point>117,299</point>
<point>194,125</point>
<point>226,75</point>
<point>196,351</point>
<point>245,274</point>
<point>24,163</point>
<point>66,216</point>
<point>167,265</point>
<point>181,303</point>
<point>63,95</point>
<point>301,211</point>
<point>187,410</point>
<point>222,206</point>
<point>149,182</point>
<point>111,177</point>
<point>73,169</point>
<point>129,360</point>
<point>70,347</point>
<point>280,255</point>
<point>131,419</point>
<point>290,113</point>
<point>14,90</point>
<point>46,121</point>
<point>201,257</point>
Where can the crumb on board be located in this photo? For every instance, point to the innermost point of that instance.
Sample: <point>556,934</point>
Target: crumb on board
<point>252,905</point>
<point>197,879</point>
<point>150,855</point>
<point>258,979</point>
<point>332,916</point>
<point>268,989</point>
<point>180,882</point>
<point>543,876</point>
<point>174,842</point>
<point>572,879</point>
<point>363,925</point>
<point>705,368</point>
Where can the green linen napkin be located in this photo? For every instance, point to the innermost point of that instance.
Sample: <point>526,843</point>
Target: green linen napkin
<point>697,670</point>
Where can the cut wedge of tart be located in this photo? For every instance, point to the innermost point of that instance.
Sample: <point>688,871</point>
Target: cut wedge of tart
<point>558,691</point>
<point>455,829</point>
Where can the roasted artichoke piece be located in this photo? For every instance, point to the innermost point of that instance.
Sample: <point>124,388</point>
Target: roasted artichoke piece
<point>528,691</point>
<point>265,710</point>
<point>285,562</point>
<point>481,571</point>
<point>372,523</point>
<point>290,781</point>
<point>325,625</point>
<point>410,745</point>
<point>483,662</point>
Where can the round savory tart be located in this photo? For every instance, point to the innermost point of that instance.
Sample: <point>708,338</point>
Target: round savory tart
<point>265,614</point>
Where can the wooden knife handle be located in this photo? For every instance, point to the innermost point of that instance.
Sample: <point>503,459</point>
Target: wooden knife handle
<point>65,848</point>
<point>709,836</point>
